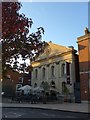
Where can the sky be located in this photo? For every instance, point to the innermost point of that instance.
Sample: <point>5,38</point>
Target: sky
<point>63,22</point>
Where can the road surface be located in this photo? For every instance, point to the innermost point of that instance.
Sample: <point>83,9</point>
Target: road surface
<point>39,113</point>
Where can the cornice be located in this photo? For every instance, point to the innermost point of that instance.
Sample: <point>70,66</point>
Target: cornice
<point>85,37</point>
<point>57,55</point>
<point>46,63</point>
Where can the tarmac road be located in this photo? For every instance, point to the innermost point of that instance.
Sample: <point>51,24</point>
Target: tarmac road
<point>39,113</point>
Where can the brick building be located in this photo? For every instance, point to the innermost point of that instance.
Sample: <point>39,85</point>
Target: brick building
<point>14,78</point>
<point>84,64</point>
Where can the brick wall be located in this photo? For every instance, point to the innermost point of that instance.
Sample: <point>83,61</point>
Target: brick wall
<point>14,78</point>
<point>84,61</point>
<point>84,86</point>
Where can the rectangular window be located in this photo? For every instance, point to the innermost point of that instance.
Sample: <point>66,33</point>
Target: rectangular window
<point>43,72</point>
<point>52,71</point>
<point>36,74</point>
<point>68,72</point>
<point>20,79</point>
<point>63,69</point>
<point>18,86</point>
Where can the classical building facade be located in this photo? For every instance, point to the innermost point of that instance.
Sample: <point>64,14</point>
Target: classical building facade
<point>84,64</point>
<point>58,64</point>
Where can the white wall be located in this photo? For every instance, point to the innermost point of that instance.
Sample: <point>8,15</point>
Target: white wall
<point>57,78</point>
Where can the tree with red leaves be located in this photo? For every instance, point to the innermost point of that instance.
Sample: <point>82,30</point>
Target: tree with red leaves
<point>16,40</point>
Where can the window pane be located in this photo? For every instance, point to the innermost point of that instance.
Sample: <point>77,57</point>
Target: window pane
<point>52,71</point>
<point>43,73</point>
<point>63,69</point>
<point>36,73</point>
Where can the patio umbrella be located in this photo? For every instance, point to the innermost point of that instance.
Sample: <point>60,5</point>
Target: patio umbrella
<point>26,89</point>
<point>38,89</point>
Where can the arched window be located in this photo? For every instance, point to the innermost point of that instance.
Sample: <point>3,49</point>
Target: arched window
<point>63,69</point>
<point>43,73</point>
<point>36,73</point>
<point>52,71</point>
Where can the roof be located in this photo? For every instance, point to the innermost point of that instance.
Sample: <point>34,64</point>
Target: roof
<point>53,50</point>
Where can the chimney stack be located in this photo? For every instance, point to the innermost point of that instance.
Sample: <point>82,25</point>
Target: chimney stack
<point>86,31</point>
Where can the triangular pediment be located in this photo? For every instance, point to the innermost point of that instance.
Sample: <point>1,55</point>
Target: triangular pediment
<point>52,50</point>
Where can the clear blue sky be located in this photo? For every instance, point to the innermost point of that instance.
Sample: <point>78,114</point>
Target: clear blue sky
<point>63,22</point>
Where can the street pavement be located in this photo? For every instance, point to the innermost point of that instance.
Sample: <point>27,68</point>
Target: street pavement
<point>74,107</point>
<point>39,113</point>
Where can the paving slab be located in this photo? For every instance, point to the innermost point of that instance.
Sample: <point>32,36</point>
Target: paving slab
<point>74,107</point>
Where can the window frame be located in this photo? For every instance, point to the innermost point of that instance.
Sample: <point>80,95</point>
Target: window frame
<point>36,74</point>
<point>21,80</point>
<point>43,72</point>
<point>63,69</point>
<point>52,71</point>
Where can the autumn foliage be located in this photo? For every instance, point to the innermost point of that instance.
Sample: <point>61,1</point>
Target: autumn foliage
<point>13,22</point>
<point>17,41</point>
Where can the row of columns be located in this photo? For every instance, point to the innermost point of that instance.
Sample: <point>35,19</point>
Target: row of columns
<point>58,78</point>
